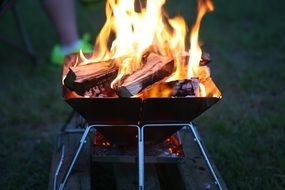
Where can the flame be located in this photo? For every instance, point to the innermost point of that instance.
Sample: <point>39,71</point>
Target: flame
<point>195,51</point>
<point>130,32</point>
<point>137,31</point>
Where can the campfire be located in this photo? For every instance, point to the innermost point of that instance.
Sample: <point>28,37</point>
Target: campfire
<point>146,80</point>
<point>142,53</point>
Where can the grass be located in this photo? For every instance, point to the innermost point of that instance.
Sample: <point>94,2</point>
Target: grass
<point>244,133</point>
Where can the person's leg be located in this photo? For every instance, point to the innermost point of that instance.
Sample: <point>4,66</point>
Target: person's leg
<point>62,14</point>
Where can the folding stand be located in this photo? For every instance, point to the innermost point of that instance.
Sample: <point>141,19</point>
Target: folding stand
<point>141,162</point>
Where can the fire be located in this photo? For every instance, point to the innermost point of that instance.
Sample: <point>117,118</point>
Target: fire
<point>195,51</point>
<point>129,32</point>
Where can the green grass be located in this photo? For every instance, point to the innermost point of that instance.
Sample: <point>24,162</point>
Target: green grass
<point>244,133</point>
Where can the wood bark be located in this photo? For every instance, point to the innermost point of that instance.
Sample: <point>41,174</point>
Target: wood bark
<point>84,77</point>
<point>154,69</point>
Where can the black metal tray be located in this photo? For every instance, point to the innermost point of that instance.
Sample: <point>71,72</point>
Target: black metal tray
<point>120,111</point>
<point>107,110</point>
<point>136,110</point>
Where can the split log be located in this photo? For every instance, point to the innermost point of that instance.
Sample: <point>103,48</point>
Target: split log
<point>84,77</point>
<point>153,70</point>
<point>177,88</point>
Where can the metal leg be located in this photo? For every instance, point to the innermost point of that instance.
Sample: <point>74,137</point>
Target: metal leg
<point>80,146</point>
<point>141,149</point>
<point>198,141</point>
<point>140,152</point>
<point>78,124</point>
<point>82,142</point>
<point>141,157</point>
<point>58,168</point>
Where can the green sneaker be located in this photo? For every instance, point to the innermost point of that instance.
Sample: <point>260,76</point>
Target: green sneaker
<point>57,56</point>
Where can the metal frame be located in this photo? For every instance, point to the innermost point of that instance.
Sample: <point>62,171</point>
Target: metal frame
<point>140,133</point>
<point>197,139</point>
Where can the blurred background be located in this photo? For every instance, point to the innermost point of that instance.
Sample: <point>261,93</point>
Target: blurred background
<point>244,133</point>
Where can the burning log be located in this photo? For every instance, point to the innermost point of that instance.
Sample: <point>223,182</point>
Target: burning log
<point>101,91</point>
<point>186,87</point>
<point>84,77</point>
<point>205,59</point>
<point>153,70</point>
<point>177,88</point>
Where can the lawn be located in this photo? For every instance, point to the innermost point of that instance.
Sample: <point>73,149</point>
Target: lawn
<point>244,133</point>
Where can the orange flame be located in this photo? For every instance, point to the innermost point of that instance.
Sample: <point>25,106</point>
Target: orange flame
<point>195,51</point>
<point>132,32</point>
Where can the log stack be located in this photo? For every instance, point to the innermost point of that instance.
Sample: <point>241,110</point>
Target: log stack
<point>94,80</point>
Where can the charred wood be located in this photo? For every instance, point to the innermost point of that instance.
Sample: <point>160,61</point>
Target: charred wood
<point>205,59</point>
<point>100,92</point>
<point>154,69</point>
<point>186,87</point>
<point>177,88</point>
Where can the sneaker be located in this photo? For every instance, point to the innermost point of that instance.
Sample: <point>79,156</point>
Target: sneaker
<point>57,55</point>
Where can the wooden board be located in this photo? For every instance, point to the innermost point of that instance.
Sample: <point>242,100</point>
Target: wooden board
<point>127,177</point>
<point>193,169</point>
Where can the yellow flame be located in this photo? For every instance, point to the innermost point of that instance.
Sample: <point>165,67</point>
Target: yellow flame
<point>129,33</point>
<point>135,31</point>
<point>202,90</point>
<point>195,51</point>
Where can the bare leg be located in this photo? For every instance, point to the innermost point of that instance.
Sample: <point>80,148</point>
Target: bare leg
<point>62,14</point>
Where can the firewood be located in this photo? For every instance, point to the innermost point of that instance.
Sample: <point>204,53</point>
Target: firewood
<point>153,70</point>
<point>102,91</point>
<point>177,88</point>
<point>84,77</point>
<point>186,87</point>
<point>205,59</point>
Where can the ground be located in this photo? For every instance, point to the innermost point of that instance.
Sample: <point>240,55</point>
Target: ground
<point>244,132</point>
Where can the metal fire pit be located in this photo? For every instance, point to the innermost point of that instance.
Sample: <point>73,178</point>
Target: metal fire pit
<point>139,122</point>
<point>120,111</point>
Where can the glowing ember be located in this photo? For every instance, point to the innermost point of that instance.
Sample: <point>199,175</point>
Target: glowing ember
<point>149,30</point>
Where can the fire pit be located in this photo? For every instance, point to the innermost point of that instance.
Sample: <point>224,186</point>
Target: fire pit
<point>143,88</point>
<point>116,110</point>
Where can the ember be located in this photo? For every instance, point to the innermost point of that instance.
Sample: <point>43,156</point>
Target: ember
<point>147,58</point>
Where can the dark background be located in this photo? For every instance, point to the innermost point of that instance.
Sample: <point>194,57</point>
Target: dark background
<point>244,133</point>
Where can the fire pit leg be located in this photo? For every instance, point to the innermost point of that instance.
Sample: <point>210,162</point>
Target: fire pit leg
<point>141,148</point>
<point>58,168</point>
<point>82,142</point>
<point>197,139</point>
<point>141,157</point>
